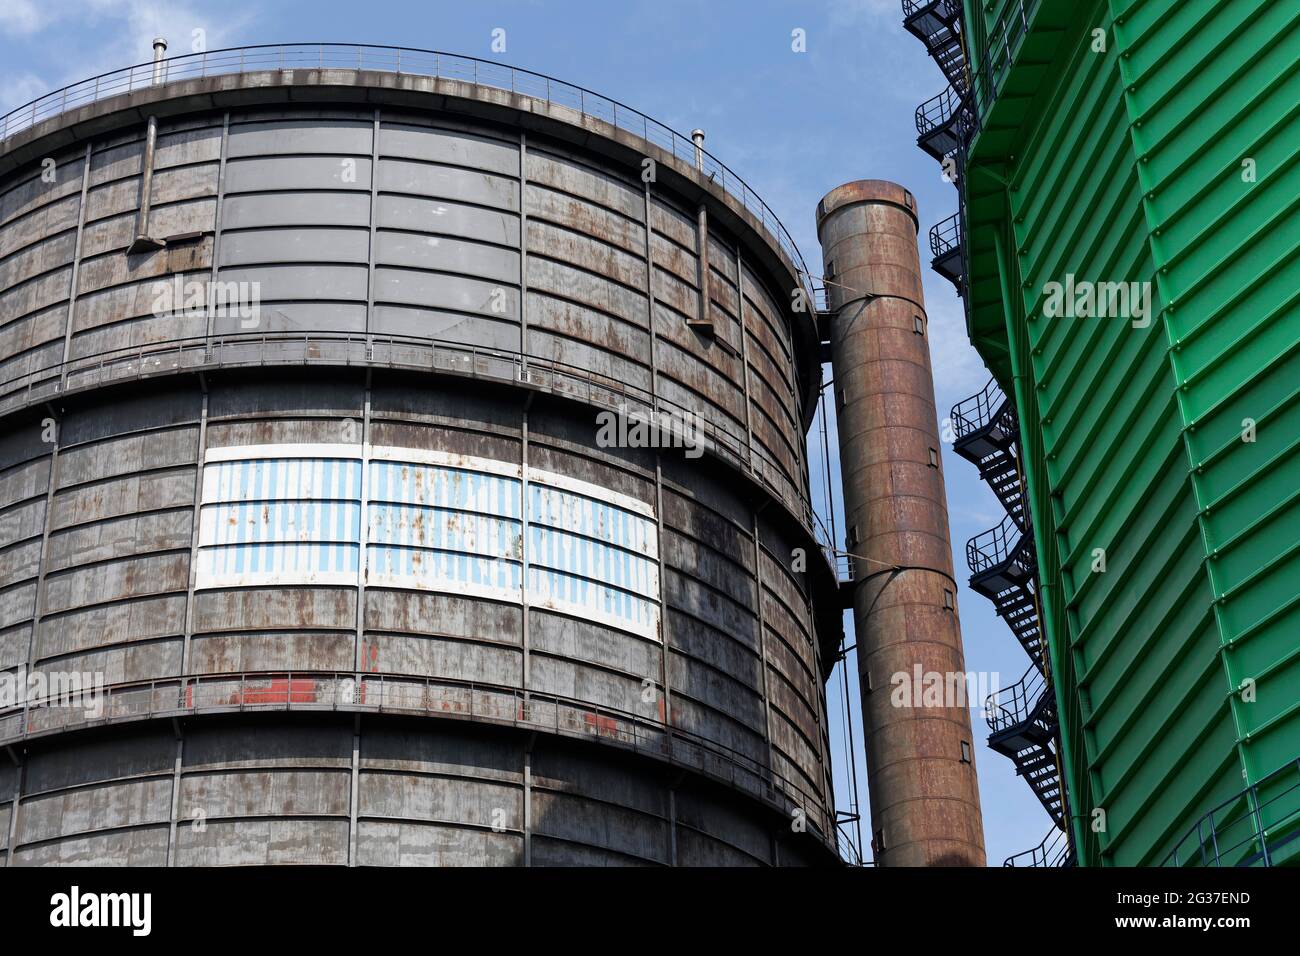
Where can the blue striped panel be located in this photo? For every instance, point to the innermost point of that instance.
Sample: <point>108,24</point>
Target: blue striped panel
<point>567,592</point>
<point>442,570</point>
<point>587,516</point>
<point>560,551</point>
<point>430,527</point>
<point>443,487</point>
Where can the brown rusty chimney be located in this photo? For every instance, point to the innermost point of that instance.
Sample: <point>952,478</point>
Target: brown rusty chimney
<point>925,808</point>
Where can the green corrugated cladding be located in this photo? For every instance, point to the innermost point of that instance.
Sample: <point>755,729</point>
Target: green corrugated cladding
<point>1168,158</point>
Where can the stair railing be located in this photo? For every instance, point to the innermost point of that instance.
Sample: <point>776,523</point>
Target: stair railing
<point>945,236</point>
<point>937,110</point>
<point>1018,704</point>
<point>971,414</point>
<point>1054,850</point>
<point>990,548</point>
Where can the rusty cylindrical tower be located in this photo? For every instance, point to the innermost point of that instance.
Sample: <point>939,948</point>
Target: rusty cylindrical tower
<point>920,759</point>
<point>305,379</point>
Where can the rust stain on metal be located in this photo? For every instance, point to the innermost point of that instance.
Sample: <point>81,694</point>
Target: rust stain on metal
<point>925,807</point>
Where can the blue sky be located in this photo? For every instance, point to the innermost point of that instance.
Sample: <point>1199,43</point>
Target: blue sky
<point>794,125</point>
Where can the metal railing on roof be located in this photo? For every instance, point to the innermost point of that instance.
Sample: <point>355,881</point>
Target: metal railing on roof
<point>949,8</point>
<point>255,691</point>
<point>406,60</point>
<point>999,53</point>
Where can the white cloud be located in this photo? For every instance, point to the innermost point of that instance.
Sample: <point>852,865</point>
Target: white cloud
<point>84,39</point>
<point>20,17</point>
<point>20,89</point>
<point>855,12</point>
<point>131,26</point>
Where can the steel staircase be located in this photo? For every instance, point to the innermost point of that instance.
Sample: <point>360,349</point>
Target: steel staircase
<point>943,122</point>
<point>938,125</point>
<point>1022,719</point>
<point>985,432</point>
<point>938,24</point>
<point>1004,567</point>
<point>946,251</point>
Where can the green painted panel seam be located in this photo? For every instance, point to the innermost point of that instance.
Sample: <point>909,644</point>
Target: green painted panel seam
<point>1241,250</point>
<point>1288,658</point>
<point>1046,148</point>
<point>1233,591</point>
<point>1066,350</point>
<point>1176,827</point>
<point>1151,740</point>
<point>1241,341</point>
<point>1125,358</point>
<point>1253,527</point>
<point>1239,722</point>
<point>1087,535</point>
<point>1273,616</point>
<point>1087,677</point>
<point>1189,118</point>
<point>1143,113</point>
<point>1134,505</point>
<point>1189,246</point>
<point>1190,158</point>
<point>1059,216</point>
<point>1048,631</point>
<point>1262,728</point>
<point>1233,445</point>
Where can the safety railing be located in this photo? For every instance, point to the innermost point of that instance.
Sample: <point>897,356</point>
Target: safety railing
<point>405,60</point>
<point>937,111</point>
<point>990,548</point>
<point>999,53</point>
<point>1054,850</point>
<point>948,9</point>
<point>971,414</point>
<point>414,352</point>
<point>945,236</point>
<point>820,297</point>
<point>1254,828</point>
<point>849,850</point>
<point>408,694</point>
<point>1017,704</point>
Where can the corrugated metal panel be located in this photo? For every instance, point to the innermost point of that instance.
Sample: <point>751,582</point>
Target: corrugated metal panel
<point>1213,95</point>
<point>291,514</point>
<point>1131,169</point>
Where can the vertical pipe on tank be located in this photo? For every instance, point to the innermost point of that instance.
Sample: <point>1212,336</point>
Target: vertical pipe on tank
<point>925,808</point>
<point>143,241</point>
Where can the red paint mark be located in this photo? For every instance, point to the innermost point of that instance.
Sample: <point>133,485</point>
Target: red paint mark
<point>283,690</point>
<point>602,725</point>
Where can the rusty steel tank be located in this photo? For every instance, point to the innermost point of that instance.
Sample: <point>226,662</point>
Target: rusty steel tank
<point>302,353</point>
<point>925,808</point>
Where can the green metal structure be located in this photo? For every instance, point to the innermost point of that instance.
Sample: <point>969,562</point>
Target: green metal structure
<point>1151,143</point>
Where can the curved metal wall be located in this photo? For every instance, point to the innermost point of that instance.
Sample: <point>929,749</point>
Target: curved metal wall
<point>372,540</point>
